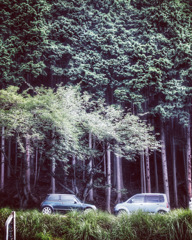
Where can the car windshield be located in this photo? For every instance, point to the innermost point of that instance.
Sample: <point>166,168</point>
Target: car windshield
<point>78,200</point>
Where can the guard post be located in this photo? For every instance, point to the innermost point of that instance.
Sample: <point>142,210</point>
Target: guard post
<point>10,227</point>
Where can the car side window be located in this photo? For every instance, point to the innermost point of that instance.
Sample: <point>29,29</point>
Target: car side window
<point>161,198</point>
<point>67,199</point>
<point>138,199</point>
<point>152,199</point>
<point>53,197</point>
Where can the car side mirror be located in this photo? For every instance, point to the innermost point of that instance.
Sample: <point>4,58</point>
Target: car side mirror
<point>130,201</point>
<point>75,202</point>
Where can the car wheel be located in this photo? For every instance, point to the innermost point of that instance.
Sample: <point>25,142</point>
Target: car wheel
<point>121,212</point>
<point>87,210</point>
<point>161,212</point>
<point>46,210</point>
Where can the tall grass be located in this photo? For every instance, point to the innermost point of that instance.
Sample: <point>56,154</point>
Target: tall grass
<point>32,225</point>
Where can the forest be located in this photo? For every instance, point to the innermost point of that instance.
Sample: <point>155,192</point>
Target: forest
<point>95,100</point>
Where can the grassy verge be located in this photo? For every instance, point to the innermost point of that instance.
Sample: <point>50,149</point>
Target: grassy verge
<point>32,225</point>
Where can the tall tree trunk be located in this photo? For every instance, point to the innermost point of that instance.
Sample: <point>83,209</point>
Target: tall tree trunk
<point>156,173</point>
<point>9,158</point>
<point>36,167</point>
<point>155,163</point>
<point>114,178</point>
<point>164,163</point>
<point>15,170</point>
<point>74,180</point>
<point>189,158</point>
<point>83,169</point>
<point>108,190</point>
<point>53,175</point>
<point>185,197</point>
<point>104,162</point>
<point>90,170</point>
<point>141,172</point>
<point>39,165</point>
<point>119,177</point>
<point>142,169</point>
<point>27,170</point>
<point>53,164</point>
<point>174,173</point>
<point>2,159</point>
<point>148,176</point>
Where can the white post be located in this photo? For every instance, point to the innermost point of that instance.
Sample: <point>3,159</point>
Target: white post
<point>10,227</point>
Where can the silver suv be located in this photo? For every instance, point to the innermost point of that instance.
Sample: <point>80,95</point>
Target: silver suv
<point>147,202</point>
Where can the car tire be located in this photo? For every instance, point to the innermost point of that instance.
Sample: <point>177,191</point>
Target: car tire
<point>161,212</point>
<point>88,210</point>
<point>47,210</point>
<point>121,212</point>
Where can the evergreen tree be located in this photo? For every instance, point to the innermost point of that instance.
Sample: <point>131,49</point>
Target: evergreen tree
<point>23,39</point>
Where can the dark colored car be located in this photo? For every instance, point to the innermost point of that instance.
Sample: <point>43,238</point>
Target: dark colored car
<point>63,203</point>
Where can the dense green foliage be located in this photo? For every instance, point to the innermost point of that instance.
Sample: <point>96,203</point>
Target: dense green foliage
<point>133,52</point>
<point>32,225</point>
<point>130,51</point>
<point>23,40</point>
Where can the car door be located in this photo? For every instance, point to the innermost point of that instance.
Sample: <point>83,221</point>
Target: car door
<point>70,203</point>
<point>152,203</point>
<point>136,203</point>
<point>77,204</point>
<point>55,201</point>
